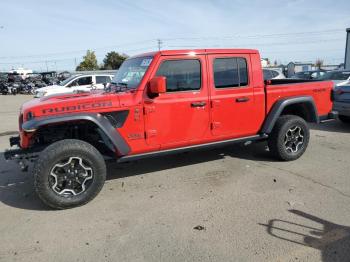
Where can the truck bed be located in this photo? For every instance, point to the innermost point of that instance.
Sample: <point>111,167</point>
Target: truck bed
<point>320,91</point>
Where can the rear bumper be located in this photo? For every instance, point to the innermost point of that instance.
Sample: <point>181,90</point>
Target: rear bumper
<point>342,108</point>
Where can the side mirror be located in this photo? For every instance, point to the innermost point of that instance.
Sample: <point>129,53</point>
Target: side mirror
<point>157,85</point>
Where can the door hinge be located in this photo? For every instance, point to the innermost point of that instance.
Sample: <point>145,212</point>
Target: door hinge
<point>148,109</point>
<point>151,133</point>
<point>215,103</point>
<point>215,125</point>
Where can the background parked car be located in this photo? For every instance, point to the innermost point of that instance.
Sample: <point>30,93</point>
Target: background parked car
<point>77,83</point>
<point>50,77</point>
<point>64,75</point>
<point>339,77</point>
<point>309,75</point>
<point>272,74</point>
<point>342,102</point>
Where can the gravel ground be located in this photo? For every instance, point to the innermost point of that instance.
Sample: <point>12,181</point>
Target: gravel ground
<point>232,204</point>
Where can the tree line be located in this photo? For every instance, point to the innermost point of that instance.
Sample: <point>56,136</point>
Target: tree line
<point>112,61</point>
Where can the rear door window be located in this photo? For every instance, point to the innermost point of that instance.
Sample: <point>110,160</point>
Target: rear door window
<point>102,79</point>
<point>230,72</point>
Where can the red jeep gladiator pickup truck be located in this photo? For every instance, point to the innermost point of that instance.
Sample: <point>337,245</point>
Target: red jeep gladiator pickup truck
<point>160,103</point>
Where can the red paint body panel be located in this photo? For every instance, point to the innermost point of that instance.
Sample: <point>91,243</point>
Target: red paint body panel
<point>320,91</point>
<point>169,121</point>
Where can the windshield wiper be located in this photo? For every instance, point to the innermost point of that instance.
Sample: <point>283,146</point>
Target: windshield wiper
<point>121,87</point>
<point>117,87</point>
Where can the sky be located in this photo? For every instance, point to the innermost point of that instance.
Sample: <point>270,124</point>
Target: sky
<point>55,35</point>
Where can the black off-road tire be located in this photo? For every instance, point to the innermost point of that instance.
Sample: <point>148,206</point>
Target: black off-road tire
<point>62,150</point>
<point>277,137</point>
<point>344,119</point>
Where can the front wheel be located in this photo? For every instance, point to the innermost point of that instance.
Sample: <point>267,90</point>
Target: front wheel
<point>69,173</point>
<point>289,138</point>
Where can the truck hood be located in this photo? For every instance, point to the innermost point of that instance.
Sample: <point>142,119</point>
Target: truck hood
<point>91,102</point>
<point>52,89</point>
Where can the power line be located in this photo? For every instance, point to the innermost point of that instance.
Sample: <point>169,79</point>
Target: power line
<point>265,44</point>
<point>66,59</point>
<point>78,51</point>
<point>309,33</point>
<point>258,35</point>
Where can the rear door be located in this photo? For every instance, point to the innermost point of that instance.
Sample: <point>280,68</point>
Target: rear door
<point>180,116</point>
<point>232,96</point>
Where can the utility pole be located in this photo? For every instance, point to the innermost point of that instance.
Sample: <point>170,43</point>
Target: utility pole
<point>160,42</point>
<point>347,50</point>
<point>47,68</point>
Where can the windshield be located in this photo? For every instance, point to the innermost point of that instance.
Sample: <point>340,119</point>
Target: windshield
<point>336,75</point>
<point>64,82</point>
<point>131,72</point>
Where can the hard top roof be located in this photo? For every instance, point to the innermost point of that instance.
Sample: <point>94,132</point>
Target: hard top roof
<point>199,51</point>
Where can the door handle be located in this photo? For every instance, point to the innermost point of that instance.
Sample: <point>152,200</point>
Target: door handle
<point>242,99</point>
<point>198,104</point>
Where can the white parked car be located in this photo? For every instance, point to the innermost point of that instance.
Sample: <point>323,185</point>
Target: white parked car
<point>75,84</point>
<point>273,74</point>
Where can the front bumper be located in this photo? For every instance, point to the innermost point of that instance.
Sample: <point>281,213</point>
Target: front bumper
<point>23,156</point>
<point>342,108</point>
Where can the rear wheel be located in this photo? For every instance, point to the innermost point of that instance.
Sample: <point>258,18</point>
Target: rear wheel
<point>344,119</point>
<point>289,138</point>
<point>69,173</point>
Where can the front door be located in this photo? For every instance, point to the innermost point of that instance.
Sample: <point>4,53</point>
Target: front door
<point>83,83</point>
<point>180,116</point>
<point>232,96</point>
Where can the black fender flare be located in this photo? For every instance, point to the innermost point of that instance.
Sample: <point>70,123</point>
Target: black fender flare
<point>111,132</point>
<point>281,104</point>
